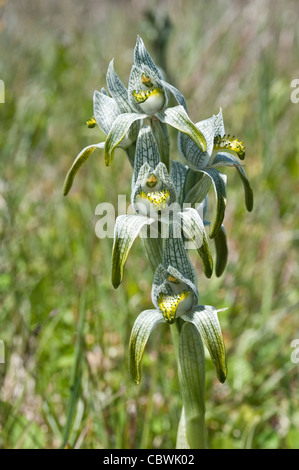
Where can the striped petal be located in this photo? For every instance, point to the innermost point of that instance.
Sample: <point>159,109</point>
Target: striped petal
<point>226,159</point>
<point>195,231</point>
<point>127,228</point>
<point>219,182</point>
<point>206,321</point>
<point>179,119</point>
<point>80,159</point>
<point>143,327</point>
<point>117,133</point>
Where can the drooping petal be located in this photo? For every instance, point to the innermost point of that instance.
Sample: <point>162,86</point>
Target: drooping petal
<point>195,231</point>
<point>143,326</point>
<point>226,159</point>
<point>127,228</point>
<point>206,321</point>
<point>221,251</point>
<point>80,159</point>
<point>219,182</point>
<point>179,119</point>
<point>199,191</point>
<point>117,133</point>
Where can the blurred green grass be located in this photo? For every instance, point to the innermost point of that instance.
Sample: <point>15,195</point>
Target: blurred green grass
<point>65,329</point>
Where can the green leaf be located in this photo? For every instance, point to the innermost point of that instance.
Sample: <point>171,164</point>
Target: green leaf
<point>195,231</point>
<point>118,131</point>
<point>226,159</point>
<point>179,119</point>
<point>143,326</point>
<point>80,159</point>
<point>181,440</point>
<point>191,371</point>
<point>219,182</point>
<point>205,319</point>
<point>127,228</point>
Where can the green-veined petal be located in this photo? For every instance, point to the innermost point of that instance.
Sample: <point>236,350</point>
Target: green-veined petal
<point>179,119</point>
<point>206,321</point>
<point>143,326</point>
<point>195,231</point>
<point>117,133</point>
<point>117,89</point>
<point>226,159</point>
<point>146,151</point>
<point>127,228</point>
<point>178,175</point>
<point>142,58</point>
<point>80,159</point>
<point>105,110</point>
<point>219,182</point>
<point>221,250</point>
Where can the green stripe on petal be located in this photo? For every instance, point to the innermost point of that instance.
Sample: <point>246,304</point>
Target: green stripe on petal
<point>117,89</point>
<point>226,159</point>
<point>179,119</point>
<point>221,251</point>
<point>219,183</point>
<point>178,175</point>
<point>143,326</point>
<point>80,159</point>
<point>205,319</point>
<point>195,231</point>
<point>127,228</point>
<point>117,133</point>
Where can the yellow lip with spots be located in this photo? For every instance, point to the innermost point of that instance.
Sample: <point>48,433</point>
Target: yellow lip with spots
<point>169,304</point>
<point>159,199</point>
<point>150,101</point>
<point>230,143</point>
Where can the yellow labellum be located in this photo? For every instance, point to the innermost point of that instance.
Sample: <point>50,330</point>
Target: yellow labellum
<point>169,304</point>
<point>157,198</point>
<point>91,122</point>
<point>230,143</point>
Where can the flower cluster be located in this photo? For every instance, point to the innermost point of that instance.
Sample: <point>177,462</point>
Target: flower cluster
<point>169,198</point>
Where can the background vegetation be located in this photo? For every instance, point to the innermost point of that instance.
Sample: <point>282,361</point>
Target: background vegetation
<point>65,329</point>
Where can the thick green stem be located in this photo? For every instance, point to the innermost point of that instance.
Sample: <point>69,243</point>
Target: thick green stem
<point>191,369</point>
